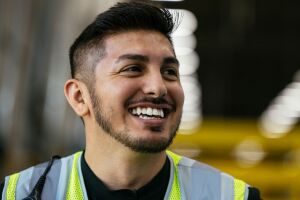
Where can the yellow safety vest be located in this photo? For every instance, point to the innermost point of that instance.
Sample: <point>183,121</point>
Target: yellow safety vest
<point>229,187</point>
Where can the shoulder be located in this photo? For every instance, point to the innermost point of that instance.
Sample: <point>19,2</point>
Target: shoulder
<point>203,174</point>
<point>26,180</point>
<point>31,175</point>
<point>54,163</point>
<point>197,166</point>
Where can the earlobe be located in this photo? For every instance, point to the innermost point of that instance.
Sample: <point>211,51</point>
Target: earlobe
<point>74,93</point>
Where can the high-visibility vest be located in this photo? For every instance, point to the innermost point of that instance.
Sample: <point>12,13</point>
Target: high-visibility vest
<point>189,180</point>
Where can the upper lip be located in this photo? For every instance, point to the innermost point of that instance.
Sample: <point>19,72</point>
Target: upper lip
<point>151,105</point>
<point>166,107</point>
<point>149,102</point>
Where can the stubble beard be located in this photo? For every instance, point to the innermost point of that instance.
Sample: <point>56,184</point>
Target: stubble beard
<point>123,136</point>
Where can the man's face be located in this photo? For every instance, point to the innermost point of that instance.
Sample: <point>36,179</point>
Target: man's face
<point>137,97</point>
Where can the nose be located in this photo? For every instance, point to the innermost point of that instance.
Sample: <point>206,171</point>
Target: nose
<point>155,85</point>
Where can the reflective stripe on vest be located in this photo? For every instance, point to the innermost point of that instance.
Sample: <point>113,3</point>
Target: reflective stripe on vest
<point>74,191</point>
<point>189,180</point>
<point>239,189</point>
<point>175,191</point>
<point>11,186</point>
<point>232,188</point>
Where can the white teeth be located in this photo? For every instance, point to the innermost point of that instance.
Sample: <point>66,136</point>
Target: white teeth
<point>142,112</point>
<point>138,110</point>
<point>155,112</point>
<point>149,111</point>
<point>134,111</point>
<point>162,113</point>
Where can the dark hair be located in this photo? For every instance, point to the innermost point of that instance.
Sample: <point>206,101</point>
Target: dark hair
<point>119,18</point>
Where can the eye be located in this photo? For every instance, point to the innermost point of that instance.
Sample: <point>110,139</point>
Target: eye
<point>170,73</point>
<point>132,70</point>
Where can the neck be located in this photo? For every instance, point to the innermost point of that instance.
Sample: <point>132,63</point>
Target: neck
<point>119,167</point>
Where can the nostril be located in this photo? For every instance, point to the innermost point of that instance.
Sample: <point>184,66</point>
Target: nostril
<point>158,91</point>
<point>155,86</point>
<point>164,93</point>
<point>158,94</point>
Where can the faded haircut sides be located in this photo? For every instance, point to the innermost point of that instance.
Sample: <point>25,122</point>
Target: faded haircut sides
<point>88,48</point>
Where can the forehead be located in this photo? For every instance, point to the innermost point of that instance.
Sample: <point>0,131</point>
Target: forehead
<point>138,41</point>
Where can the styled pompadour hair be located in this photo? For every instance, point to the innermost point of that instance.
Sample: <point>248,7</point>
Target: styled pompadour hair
<point>89,47</point>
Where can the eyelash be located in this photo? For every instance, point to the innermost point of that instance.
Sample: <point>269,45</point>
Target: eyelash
<point>167,72</point>
<point>132,70</point>
<point>170,72</point>
<point>173,71</point>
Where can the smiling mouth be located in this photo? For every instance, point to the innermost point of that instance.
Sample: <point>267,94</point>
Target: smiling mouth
<point>149,113</point>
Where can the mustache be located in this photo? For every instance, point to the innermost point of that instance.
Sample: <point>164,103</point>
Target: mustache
<point>157,101</point>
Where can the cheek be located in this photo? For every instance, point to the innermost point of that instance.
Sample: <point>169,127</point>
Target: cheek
<point>181,98</point>
<point>120,91</point>
<point>178,95</point>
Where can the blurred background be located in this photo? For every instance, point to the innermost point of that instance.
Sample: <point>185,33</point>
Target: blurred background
<point>240,70</point>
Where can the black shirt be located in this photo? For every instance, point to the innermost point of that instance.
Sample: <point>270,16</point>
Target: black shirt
<point>155,189</point>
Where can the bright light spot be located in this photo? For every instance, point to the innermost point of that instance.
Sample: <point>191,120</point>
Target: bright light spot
<point>187,127</point>
<point>277,121</point>
<point>191,89</point>
<point>188,24</point>
<point>293,89</point>
<point>187,41</point>
<point>188,63</point>
<point>191,116</point>
<point>273,130</point>
<point>190,83</point>
<point>184,45</point>
<point>283,113</point>
<point>183,50</point>
<point>292,104</point>
<point>249,153</point>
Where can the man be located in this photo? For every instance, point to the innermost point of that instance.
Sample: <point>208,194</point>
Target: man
<point>125,86</point>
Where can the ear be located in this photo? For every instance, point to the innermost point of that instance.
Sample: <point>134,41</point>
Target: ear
<point>74,92</point>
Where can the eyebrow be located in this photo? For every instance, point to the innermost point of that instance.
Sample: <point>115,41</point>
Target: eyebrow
<point>143,58</point>
<point>136,57</point>
<point>171,60</point>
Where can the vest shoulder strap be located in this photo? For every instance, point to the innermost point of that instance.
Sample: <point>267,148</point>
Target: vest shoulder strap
<point>10,192</point>
<point>46,180</point>
<point>74,190</point>
<point>175,193</point>
<point>189,176</point>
